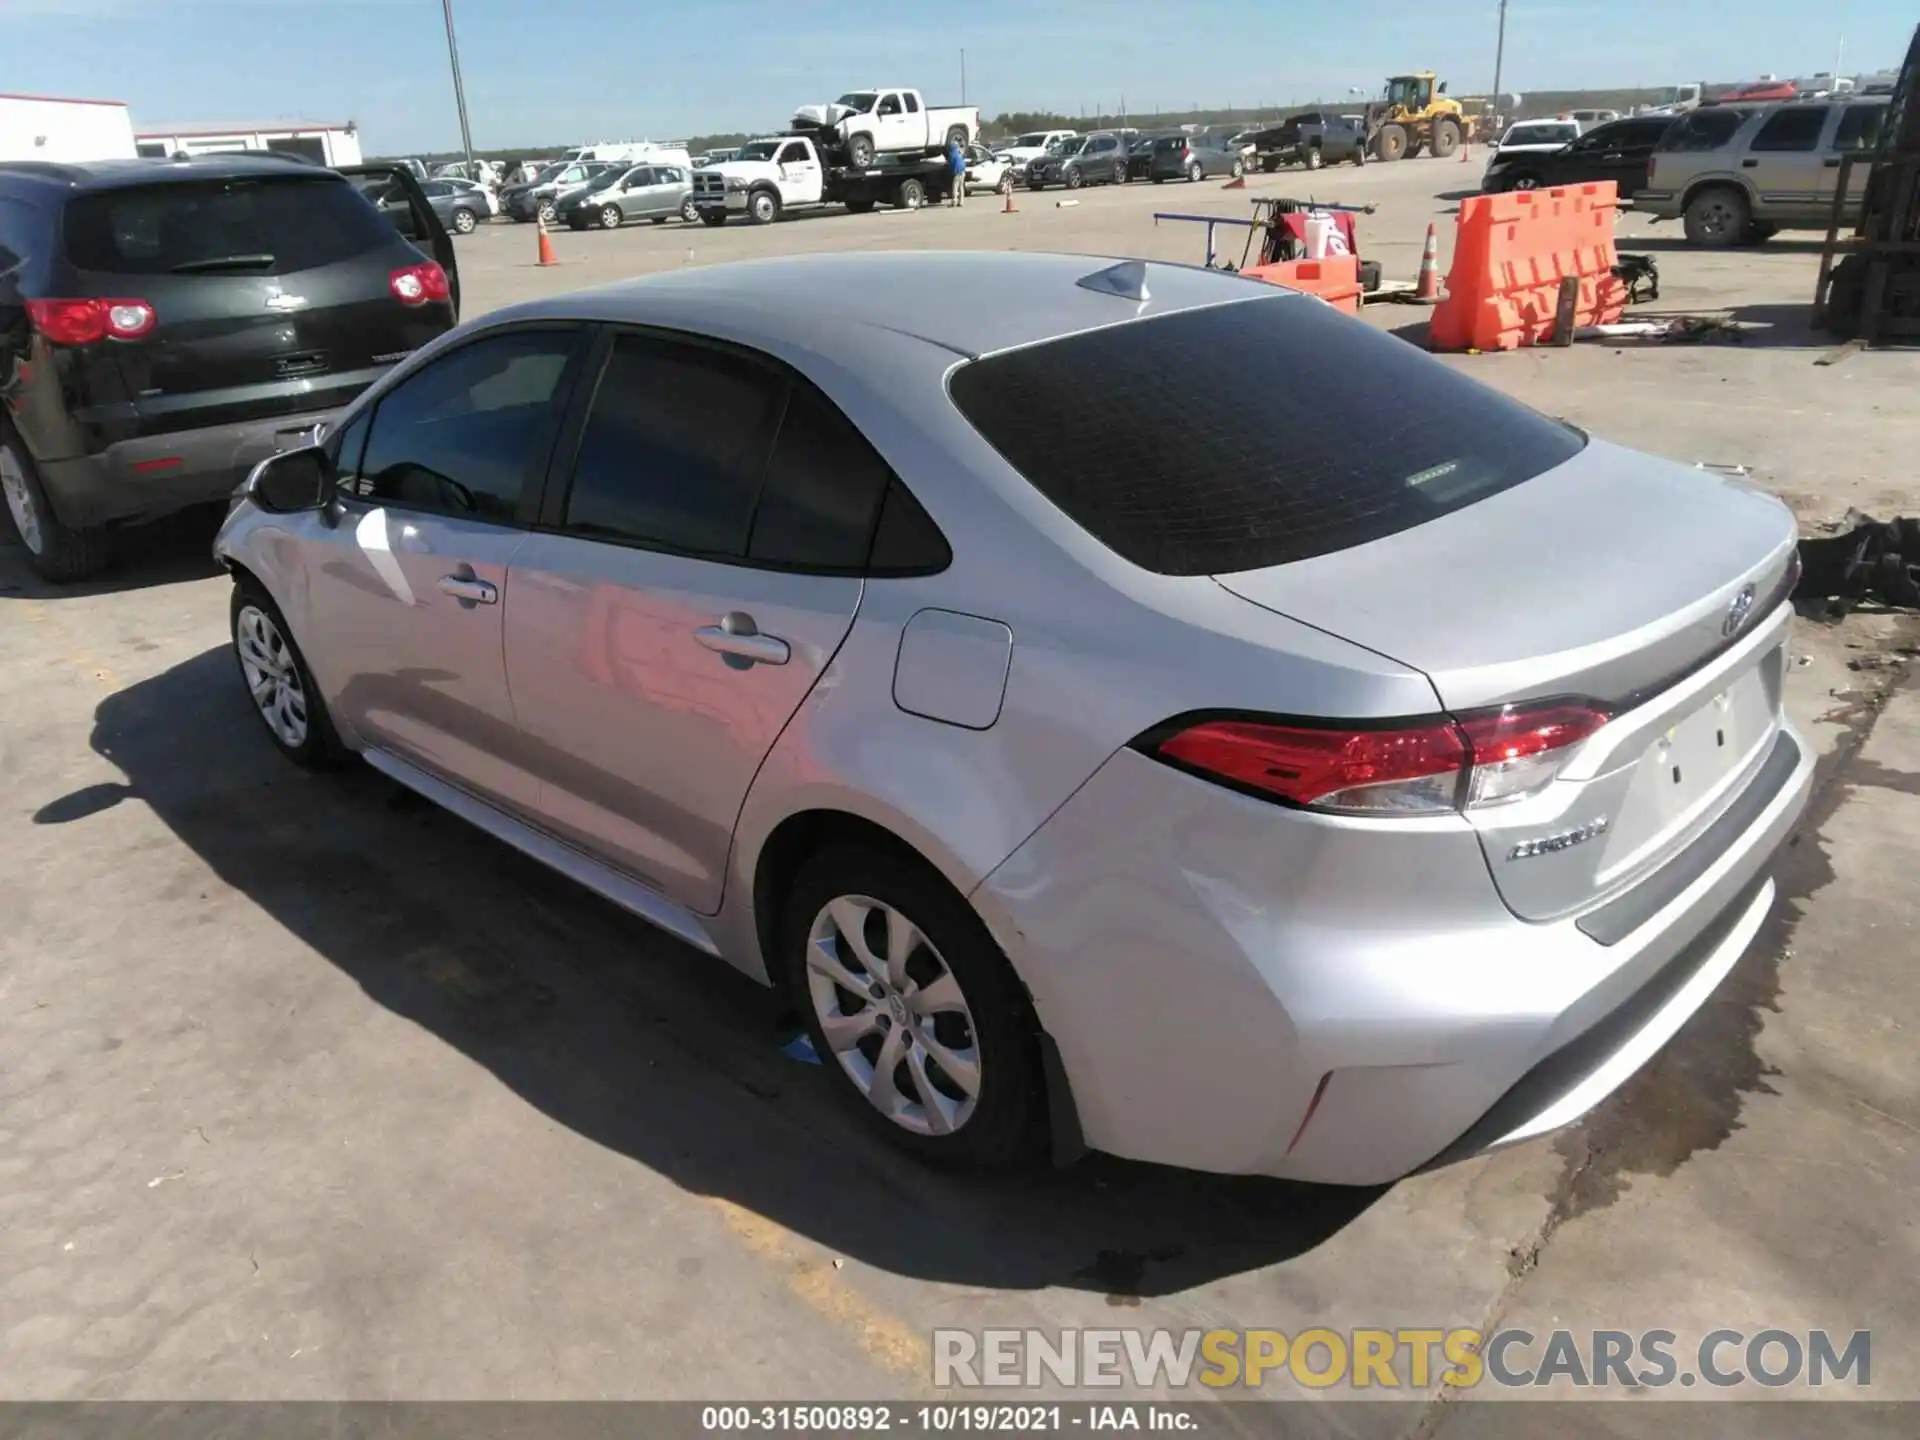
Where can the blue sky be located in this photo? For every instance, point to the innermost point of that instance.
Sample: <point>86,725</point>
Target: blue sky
<point>562,71</point>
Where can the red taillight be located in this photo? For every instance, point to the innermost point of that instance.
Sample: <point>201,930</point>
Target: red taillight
<point>419,284</point>
<point>1429,767</point>
<point>82,322</point>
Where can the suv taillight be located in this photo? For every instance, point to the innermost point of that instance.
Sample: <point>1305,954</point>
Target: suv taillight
<point>418,284</point>
<point>1429,767</point>
<point>82,322</point>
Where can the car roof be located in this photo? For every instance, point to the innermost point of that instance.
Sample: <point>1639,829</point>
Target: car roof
<point>934,296</point>
<point>120,174</point>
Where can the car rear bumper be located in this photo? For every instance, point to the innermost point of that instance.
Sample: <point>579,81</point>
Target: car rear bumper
<point>154,475</point>
<point>1241,988</point>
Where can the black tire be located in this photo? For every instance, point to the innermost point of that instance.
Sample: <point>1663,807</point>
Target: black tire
<point>1314,158</point>
<point>1390,142</point>
<point>1120,172</point>
<point>1239,168</point>
<point>910,195</point>
<point>860,152</point>
<point>1360,154</point>
<point>957,135</point>
<point>321,748</point>
<point>859,207</point>
<point>610,217</point>
<point>1446,138</point>
<point>59,553</point>
<point>1072,178</point>
<point>1007,1125</point>
<point>1717,218</point>
<point>1760,231</point>
<point>465,222</point>
<point>1521,180</point>
<point>1196,172</point>
<point>689,212</point>
<point>1370,276</point>
<point>713,217</point>
<point>763,207</point>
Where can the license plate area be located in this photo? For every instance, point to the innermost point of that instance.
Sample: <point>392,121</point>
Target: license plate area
<point>1690,769</point>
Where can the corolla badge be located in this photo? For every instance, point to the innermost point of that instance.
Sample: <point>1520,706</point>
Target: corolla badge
<point>1554,844</point>
<point>1737,612</point>
<point>285,303</point>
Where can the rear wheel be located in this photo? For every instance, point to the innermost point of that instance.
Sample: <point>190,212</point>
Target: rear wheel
<point>911,195</point>
<point>57,552</point>
<point>1239,169</point>
<point>1717,218</point>
<point>914,1012</point>
<point>1314,159</point>
<point>1119,172</point>
<point>609,217</point>
<point>763,207</point>
<point>1446,137</point>
<point>1523,181</point>
<point>1196,172</point>
<point>464,222</point>
<point>1390,142</point>
<point>957,135</point>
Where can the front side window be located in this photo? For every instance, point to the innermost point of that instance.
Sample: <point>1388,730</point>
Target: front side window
<point>793,154</point>
<point>463,435</point>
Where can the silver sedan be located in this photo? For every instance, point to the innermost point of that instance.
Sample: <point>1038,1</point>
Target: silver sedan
<point>1226,775</point>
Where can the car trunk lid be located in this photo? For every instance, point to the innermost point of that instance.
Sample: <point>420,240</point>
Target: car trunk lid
<point>1654,589</point>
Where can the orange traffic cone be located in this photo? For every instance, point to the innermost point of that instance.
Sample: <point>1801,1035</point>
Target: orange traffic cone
<point>1239,182</point>
<point>1008,208</point>
<point>1427,290</point>
<point>547,257</point>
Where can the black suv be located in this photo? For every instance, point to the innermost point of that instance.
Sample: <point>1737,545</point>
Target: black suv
<point>166,324</point>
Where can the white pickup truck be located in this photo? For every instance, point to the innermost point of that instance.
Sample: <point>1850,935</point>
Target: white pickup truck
<point>865,124</point>
<point>785,172</point>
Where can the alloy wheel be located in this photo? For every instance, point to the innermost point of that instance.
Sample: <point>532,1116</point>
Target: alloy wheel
<point>893,1014</point>
<point>272,676</point>
<point>26,519</point>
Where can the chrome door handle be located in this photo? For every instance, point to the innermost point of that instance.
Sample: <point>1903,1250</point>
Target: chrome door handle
<point>739,641</point>
<point>465,587</point>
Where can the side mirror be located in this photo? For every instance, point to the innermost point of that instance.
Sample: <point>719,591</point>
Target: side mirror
<point>292,481</point>
<point>1443,87</point>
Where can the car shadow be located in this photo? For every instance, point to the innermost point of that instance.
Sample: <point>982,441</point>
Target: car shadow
<point>169,551</point>
<point>1783,245</point>
<point>634,1041</point>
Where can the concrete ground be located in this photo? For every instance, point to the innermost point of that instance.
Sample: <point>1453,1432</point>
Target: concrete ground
<point>312,1092</point>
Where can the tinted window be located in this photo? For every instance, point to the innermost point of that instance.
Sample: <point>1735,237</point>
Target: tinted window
<point>913,104</point>
<point>1859,127</point>
<point>1796,127</point>
<point>462,435</point>
<point>278,225</point>
<point>822,491</point>
<point>346,448</point>
<point>1208,456</point>
<point>907,542</point>
<point>1170,143</point>
<point>792,154</point>
<point>674,448</point>
<point>1707,129</point>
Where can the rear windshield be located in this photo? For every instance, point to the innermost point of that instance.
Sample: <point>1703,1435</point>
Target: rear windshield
<point>1707,129</point>
<point>264,226</point>
<point>1252,434</point>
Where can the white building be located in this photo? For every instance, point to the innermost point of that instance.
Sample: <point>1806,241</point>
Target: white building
<point>48,127</point>
<point>314,139</point>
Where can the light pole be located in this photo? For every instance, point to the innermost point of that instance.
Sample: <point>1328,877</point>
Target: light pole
<point>459,90</point>
<point>1499,53</point>
<point>963,76</point>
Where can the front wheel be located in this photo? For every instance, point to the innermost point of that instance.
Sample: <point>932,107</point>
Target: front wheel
<point>911,195</point>
<point>860,152</point>
<point>689,212</point>
<point>546,212</point>
<point>609,217</point>
<point>913,1010</point>
<point>1446,138</point>
<point>1120,173</point>
<point>1239,169</point>
<point>57,552</point>
<point>763,207</point>
<point>278,682</point>
<point>1717,219</point>
<point>1072,177</point>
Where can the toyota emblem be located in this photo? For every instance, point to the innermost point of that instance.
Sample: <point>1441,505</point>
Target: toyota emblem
<point>1737,612</point>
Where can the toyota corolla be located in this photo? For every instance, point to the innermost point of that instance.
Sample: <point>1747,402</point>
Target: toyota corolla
<point>1225,775</point>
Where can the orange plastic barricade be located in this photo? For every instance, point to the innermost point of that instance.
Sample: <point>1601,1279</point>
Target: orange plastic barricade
<point>1335,279</point>
<point>1510,254</point>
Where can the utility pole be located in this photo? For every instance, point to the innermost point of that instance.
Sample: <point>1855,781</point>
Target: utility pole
<point>459,90</point>
<point>963,75</point>
<point>1499,54</point>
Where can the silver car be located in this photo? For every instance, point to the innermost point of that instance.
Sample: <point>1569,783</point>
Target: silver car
<point>1209,778</point>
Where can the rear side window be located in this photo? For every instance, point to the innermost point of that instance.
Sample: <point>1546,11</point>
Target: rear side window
<point>1704,129</point>
<point>264,226</point>
<point>1796,127</point>
<point>1212,451</point>
<point>1859,128</point>
<point>822,492</point>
